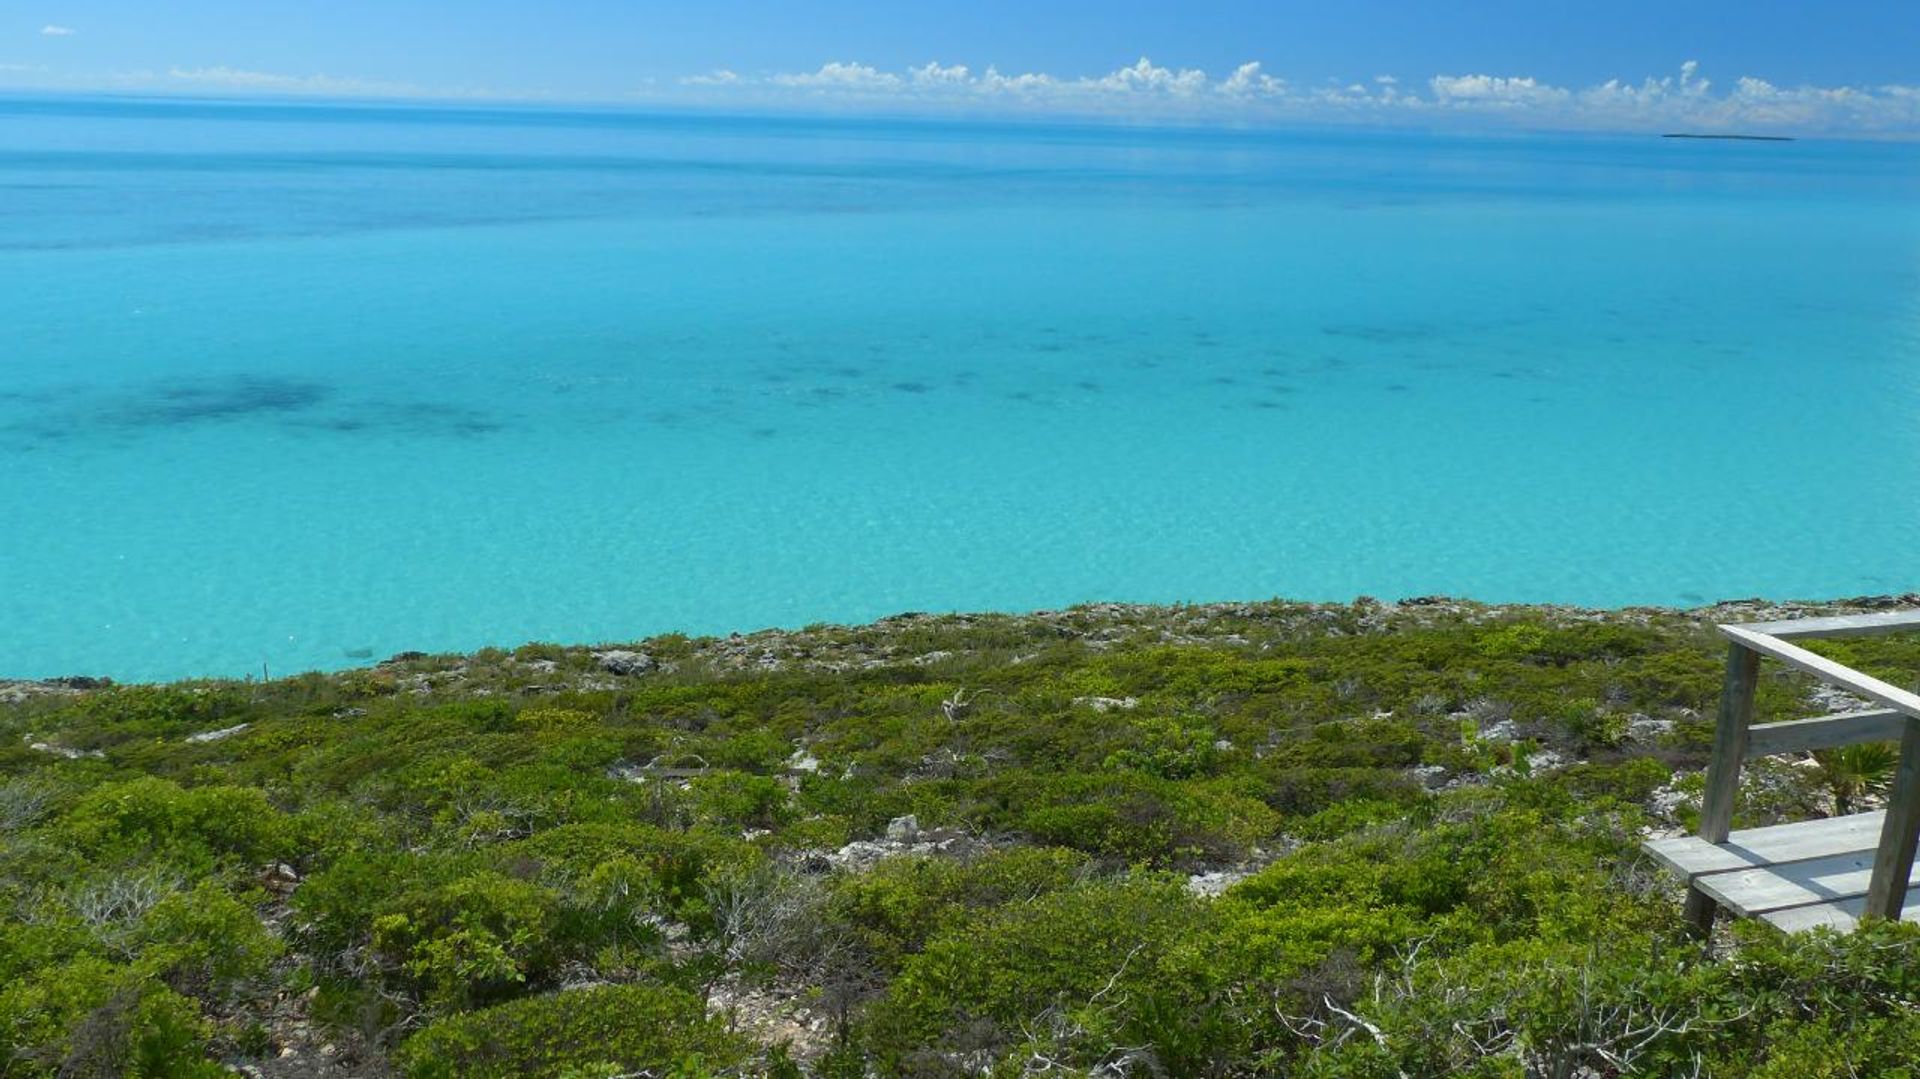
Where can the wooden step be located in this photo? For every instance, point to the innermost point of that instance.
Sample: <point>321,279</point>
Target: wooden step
<point>1841,914</point>
<point>1690,856</point>
<point>1793,884</point>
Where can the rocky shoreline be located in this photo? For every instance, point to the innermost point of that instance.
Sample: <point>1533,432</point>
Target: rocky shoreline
<point>834,648</point>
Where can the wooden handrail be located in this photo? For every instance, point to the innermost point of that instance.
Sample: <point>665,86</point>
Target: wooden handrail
<point>1839,625</point>
<point>1826,669</point>
<point>1824,732</point>
<point>1736,739</point>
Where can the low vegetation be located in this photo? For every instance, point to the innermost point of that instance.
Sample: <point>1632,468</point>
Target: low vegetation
<point>1269,839</point>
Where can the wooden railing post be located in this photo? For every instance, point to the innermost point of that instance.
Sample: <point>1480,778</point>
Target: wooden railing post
<point>1723,771</point>
<point>1893,862</point>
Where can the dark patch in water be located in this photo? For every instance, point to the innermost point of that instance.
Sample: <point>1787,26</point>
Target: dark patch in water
<point>1090,387</point>
<point>181,404</point>
<point>117,418</point>
<point>1270,405</point>
<point>775,376</point>
<point>1049,346</point>
<point>1224,380</point>
<point>912,387</point>
<point>825,391</point>
<point>1019,395</point>
<point>1397,387</point>
<point>357,653</point>
<point>1693,597</point>
<point>1381,333</point>
<point>27,397</point>
<point>763,432</point>
<point>431,419</point>
<point>847,372</point>
<point>1281,387</point>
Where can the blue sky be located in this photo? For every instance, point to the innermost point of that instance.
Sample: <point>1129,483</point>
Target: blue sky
<point>1842,67</point>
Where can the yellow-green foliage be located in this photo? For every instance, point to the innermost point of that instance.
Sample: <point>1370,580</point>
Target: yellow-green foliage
<point>437,857</point>
<point>605,1030</point>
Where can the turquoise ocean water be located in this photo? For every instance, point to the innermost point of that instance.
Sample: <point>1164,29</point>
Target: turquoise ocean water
<point>300,385</point>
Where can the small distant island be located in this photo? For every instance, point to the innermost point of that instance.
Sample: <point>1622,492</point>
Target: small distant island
<point>1736,138</point>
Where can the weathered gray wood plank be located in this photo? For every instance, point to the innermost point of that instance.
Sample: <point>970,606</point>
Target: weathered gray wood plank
<point>1792,884</point>
<point>1723,770</point>
<point>1893,859</point>
<point>1841,625</point>
<point>1729,742</point>
<point>1842,914</point>
<point>1824,732</point>
<point>1690,855</point>
<point>1823,668</point>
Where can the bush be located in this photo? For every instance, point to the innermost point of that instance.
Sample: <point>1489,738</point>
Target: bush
<point>902,902</point>
<point>736,800</point>
<point>144,817</point>
<point>609,1029</point>
<point>471,940</point>
<point>990,974</point>
<point>204,939</point>
<point>89,1017</point>
<point>1137,818</point>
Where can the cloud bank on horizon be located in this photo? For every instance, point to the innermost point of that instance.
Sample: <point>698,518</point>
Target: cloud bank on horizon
<point>1145,91</point>
<point>1684,100</point>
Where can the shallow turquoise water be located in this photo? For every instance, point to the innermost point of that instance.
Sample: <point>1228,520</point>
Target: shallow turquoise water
<point>297,385</point>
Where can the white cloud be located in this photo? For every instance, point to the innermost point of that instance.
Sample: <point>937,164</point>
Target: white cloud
<point>836,75</point>
<point>1493,91</point>
<point>1145,77</point>
<point>1027,84</point>
<point>240,79</point>
<point>935,75</point>
<point>1684,100</point>
<point>51,30</point>
<point>1247,80</point>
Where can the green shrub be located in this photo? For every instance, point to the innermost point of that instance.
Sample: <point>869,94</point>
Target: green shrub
<point>122,714</point>
<point>677,863</point>
<point>609,1029</point>
<point>989,975</point>
<point>204,939</point>
<point>1135,817</point>
<point>1168,748</point>
<point>736,800</point>
<point>468,941</point>
<point>902,902</point>
<point>148,816</point>
<point>557,720</point>
<point>90,1017</point>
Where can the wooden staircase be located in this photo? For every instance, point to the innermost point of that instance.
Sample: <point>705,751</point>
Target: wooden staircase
<point>1830,872</point>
